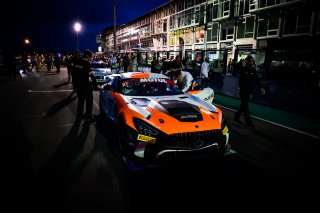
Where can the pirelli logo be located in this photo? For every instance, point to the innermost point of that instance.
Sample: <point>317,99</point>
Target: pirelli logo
<point>146,139</point>
<point>225,130</point>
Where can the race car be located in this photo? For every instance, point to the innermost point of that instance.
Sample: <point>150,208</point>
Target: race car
<point>157,122</point>
<point>100,71</point>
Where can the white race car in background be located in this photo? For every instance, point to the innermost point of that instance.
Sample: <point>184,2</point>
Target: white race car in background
<point>100,71</point>
<point>204,93</point>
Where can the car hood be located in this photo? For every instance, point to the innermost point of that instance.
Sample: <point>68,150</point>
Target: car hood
<point>185,107</point>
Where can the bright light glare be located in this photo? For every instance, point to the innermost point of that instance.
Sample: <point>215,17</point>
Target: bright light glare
<point>77,27</point>
<point>26,41</point>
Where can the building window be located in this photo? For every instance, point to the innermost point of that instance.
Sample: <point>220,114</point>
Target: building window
<point>215,11</point>
<point>304,22</point>
<point>226,31</point>
<point>268,3</point>
<point>197,14</point>
<point>245,28</point>
<point>188,34</point>
<point>188,16</point>
<point>173,22</point>
<point>221,9</point>
<point>209,13</point>
<point>164,29</point>
<point>212,32</point>
<point>225,8</point>
<point>244,7</point>
<point>268,25</point>
<point>297,22</point>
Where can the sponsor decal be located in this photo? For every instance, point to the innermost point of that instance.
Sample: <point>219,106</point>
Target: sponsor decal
<point>225,130</point>
<point>210,96</point>
<point>188,116</point>
<point>160,80</point>
<point>130,83</point>
<point>146,139</point>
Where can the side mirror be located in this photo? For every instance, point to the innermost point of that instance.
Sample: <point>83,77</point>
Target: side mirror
<point>197,87</point>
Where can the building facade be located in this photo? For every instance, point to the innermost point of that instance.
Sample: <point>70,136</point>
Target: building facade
<point>282,35</point>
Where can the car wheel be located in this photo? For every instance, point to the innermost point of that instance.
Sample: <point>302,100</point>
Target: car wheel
<point>123,137</point>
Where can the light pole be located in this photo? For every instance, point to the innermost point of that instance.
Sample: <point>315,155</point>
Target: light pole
<point>77,28</point>
<point>114,27</point>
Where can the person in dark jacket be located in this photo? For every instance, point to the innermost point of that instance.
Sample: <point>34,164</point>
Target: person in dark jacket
<point>70,65</point>
<point>248,76</point>
<point>81,73</point>
<point>154,65</point>
<point>175,66</point>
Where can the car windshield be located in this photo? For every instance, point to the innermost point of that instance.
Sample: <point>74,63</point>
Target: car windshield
<point>149,87</point>
<point>98,65</point>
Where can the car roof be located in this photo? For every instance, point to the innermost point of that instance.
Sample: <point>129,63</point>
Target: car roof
<point>128,75</point>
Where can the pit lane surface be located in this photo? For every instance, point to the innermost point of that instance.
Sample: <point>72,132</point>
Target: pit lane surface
<point>50,163</point>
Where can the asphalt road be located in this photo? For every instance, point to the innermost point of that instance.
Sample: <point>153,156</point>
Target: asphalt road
<point>50,163</point>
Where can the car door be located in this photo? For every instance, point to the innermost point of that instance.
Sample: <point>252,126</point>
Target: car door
<point>106,100</point>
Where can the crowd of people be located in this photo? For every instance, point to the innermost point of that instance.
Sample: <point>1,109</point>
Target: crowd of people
<point>79,72</point>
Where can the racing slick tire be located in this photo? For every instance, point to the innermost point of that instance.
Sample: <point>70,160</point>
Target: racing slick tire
<point>123,137</point>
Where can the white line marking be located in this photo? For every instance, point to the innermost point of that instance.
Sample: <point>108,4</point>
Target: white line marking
<point>49,91</point>
<point>286,127</point>
<point>65,125</point>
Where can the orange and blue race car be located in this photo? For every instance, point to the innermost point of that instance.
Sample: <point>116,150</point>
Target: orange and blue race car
<point>157,122</point>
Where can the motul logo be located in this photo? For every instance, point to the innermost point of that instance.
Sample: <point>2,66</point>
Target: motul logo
<point>160,80</point>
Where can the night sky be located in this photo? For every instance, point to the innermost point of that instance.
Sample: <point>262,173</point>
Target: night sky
<point>49,24</point>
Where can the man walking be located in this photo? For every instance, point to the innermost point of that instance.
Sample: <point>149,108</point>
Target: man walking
<point>248,76</point>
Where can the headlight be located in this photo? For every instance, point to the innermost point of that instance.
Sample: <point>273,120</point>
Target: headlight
<point>145,128</point>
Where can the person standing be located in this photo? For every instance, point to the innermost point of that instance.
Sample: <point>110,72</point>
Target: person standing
<point>175,66</point>
<point>81,73</point>
<point>70,65</point>
<point>48,61</point>
<point>248,76</point>
<point>230,67</point>
<point>33,59</point>
<point>125,63</point>
<point>57,62</point>
<point>204,73</point>
<point>154,65</point>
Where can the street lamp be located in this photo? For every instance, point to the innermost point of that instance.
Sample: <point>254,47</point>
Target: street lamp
<point>77,28</point>
<point>27,41</point>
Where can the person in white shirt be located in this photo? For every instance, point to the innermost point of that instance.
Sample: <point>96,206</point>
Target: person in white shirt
<point>205,72</point>
<point>205,68</point>
<point>183,79</point>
